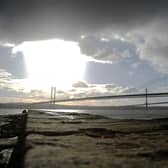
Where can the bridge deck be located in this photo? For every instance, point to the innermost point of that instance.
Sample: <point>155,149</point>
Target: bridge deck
<point>88,141</point>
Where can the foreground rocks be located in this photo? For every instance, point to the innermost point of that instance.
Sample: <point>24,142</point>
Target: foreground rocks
<point>10,129</point>
<point>81,140</point>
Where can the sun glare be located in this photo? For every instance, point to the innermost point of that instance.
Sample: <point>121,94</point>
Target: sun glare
<point>52,63</point>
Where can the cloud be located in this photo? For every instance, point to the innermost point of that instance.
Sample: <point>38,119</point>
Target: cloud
<point>13,92</point>
<point>132,90</point>
<point>148,42</point>
<point>106,50</point>
<point>80,84</point>
<point>12,63</point>
<point>10,92</point>
<point>152,45</point>
<point>108,31</point>
<point>97,90</point>
<point>23,20</point>
<point>4,75</point>
<point>39,94</point>
<point>114,89</point>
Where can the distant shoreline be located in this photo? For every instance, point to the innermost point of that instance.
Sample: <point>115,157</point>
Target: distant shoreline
<point>58,106</point>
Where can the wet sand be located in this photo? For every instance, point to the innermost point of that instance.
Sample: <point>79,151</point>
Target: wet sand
<point>84,140</point>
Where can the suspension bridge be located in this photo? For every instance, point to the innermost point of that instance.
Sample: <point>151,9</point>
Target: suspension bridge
<point>146,96</point>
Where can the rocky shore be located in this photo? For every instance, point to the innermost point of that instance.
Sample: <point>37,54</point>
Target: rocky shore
<point>83,140</point>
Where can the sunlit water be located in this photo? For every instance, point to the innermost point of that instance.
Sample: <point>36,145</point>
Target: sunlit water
<point>120,113</point>
<point>111,113</point>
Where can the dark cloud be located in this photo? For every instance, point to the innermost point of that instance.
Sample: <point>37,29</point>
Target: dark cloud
<point>110,86</point>
<point>111,50</point>
<point>12,63</point>
<point>154,46</point>
<point>22,20</point>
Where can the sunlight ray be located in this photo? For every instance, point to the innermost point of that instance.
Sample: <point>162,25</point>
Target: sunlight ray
<point>53,62</point>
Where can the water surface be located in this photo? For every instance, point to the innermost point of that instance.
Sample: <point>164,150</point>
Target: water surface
<point>119,113</point>
<point>9,111</point>
<point>111,113</point>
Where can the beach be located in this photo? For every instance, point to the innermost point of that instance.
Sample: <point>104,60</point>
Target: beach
<point>83,140</point>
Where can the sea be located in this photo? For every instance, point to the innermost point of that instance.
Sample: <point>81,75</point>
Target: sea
<point>116,113</point>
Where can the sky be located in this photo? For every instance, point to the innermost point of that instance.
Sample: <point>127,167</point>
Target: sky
<point>83,47</point>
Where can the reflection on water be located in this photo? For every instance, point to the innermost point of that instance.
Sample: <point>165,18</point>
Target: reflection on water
<point>117,113</point>
<point>111,113</point>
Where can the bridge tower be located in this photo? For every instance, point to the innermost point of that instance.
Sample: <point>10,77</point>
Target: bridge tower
<point>53,95</point>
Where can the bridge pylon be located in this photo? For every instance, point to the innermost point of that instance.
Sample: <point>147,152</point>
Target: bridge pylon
<point>53,95</point>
